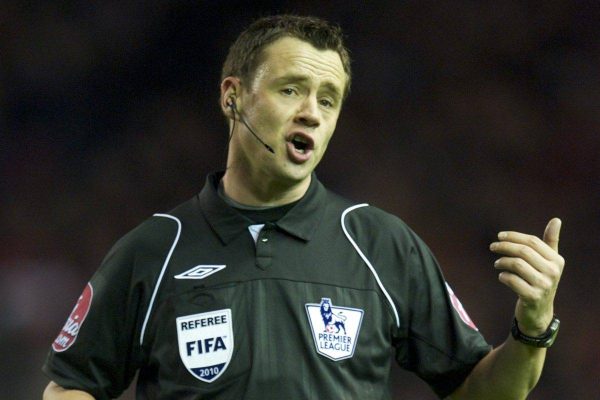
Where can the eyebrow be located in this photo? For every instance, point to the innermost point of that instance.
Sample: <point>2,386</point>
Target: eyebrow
<point>292,78</point>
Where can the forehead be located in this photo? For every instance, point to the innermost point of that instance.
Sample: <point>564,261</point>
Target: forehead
<point>292,56</point>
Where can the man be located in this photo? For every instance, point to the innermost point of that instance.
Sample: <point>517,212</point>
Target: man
<point>267,285</point>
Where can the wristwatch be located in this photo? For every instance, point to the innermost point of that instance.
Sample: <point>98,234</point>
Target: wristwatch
<point>546,339</point>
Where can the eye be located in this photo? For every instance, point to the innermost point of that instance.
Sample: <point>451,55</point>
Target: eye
<point>289,91</point>
<point>326,103</point>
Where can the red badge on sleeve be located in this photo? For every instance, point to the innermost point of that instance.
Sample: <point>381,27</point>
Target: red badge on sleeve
<point>460,309</point>
<point>69,332</point>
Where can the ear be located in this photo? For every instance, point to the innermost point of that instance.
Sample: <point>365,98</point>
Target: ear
<point>230,89</point>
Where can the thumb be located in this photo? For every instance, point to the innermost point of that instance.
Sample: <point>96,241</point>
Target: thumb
<point>552,233</point>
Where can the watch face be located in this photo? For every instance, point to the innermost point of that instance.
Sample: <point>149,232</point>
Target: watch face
<point>552,331</point>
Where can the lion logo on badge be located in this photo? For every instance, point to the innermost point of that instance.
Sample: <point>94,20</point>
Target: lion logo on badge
<point>335,329</point>
<point>333,322</point>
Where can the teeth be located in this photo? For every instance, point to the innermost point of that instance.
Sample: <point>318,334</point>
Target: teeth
<point>300,144</point>
<point>300,139</point>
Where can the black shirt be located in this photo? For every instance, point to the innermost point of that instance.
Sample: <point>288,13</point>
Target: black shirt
<point>310,307</point>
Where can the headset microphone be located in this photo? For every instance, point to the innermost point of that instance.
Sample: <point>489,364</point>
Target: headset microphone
<point>231,104</point>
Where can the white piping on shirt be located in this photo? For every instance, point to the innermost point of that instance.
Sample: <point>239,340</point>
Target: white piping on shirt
<point>162,273</point>
<point>366,260</point>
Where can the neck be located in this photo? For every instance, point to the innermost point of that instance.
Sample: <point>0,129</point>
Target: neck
<point>261,190</point>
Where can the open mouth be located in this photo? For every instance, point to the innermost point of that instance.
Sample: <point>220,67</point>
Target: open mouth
<point>300,144</point>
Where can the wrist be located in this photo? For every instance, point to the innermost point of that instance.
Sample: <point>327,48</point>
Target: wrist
<point>545,339</point>
<point>534,321</point>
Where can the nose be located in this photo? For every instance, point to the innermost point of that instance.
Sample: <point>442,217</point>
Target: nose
<point>308,113</point>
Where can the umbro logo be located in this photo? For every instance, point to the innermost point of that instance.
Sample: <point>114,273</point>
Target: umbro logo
<point>200,272</point>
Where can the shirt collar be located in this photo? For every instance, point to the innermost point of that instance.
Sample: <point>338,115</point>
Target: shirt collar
<point>301,221</point>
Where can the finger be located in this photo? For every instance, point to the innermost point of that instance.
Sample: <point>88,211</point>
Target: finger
<point>531,241</point>
<point>519,267</point>
<point>552,233</point>
<point>522,251</point>
<point>517,284</point>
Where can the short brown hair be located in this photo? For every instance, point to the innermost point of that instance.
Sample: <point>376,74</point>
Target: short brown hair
<point>244,54</point>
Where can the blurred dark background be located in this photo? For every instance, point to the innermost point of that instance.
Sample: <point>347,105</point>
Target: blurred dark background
<point>466,118</point>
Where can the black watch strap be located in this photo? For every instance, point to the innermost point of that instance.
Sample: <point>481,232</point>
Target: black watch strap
<point>546,339</point>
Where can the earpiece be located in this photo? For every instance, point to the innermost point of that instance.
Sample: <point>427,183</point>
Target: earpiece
<point>231,102</point>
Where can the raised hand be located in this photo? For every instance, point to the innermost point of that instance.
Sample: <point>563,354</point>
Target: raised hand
<point>532,268</point>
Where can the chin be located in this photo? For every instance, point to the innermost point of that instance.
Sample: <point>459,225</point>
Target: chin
<point>296,175</point>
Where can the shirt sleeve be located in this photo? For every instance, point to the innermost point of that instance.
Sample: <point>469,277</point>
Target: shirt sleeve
<point>439,343</point>
<point>96,351</point>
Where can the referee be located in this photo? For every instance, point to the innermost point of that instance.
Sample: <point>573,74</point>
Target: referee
<point>266,285</point>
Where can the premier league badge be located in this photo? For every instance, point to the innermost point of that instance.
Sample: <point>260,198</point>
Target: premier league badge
<point>206,343</point>
<point>335,329</point>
